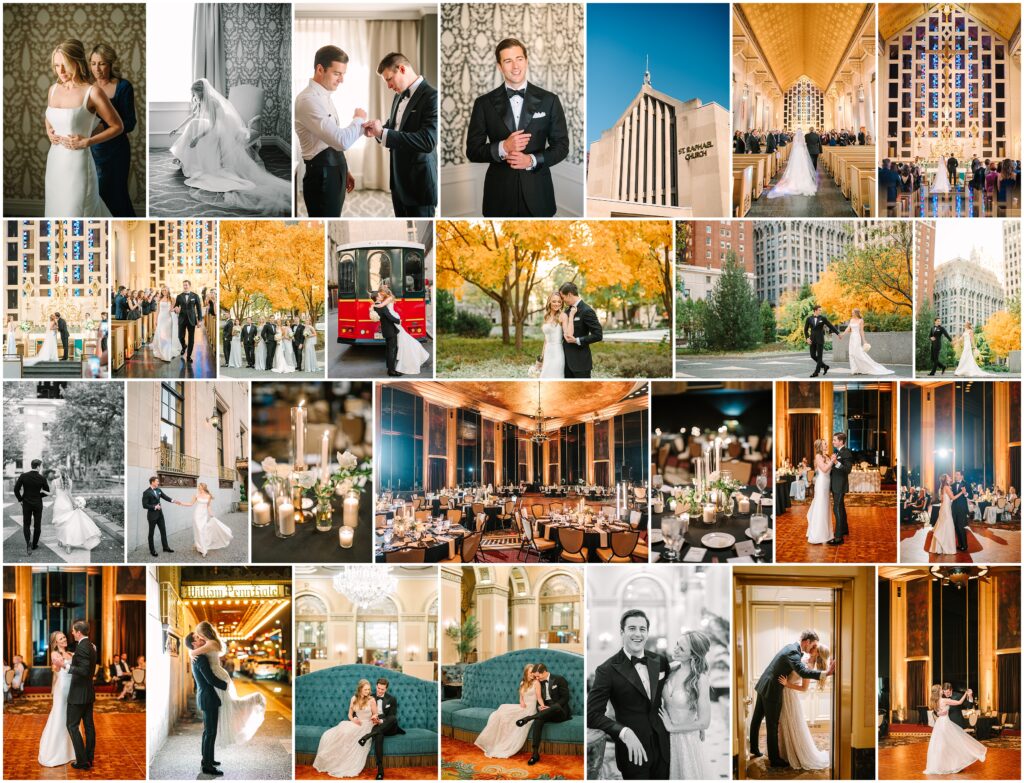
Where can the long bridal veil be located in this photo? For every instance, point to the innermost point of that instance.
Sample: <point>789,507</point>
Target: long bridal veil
<point>800,178</point>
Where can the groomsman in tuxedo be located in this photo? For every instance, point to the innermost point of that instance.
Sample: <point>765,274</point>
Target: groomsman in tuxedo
<point>226,334</point>
<point>269,335</point>
<point>519,130</point>
<point>410,135</point>
<point>248,337</point>
<point>120,302</point>
<point>298,342</point>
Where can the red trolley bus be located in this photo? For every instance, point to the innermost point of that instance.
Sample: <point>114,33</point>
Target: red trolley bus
<point>362,267</point>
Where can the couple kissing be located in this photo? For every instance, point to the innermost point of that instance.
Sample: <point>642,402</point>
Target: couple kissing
<point>570,327</point>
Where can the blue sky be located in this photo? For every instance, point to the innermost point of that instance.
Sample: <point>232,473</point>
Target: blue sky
<point>688,45</point>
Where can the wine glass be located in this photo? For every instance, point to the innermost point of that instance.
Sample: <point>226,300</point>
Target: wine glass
<point>759,531</point>
<point>762,480</point>
<point>670,527</point>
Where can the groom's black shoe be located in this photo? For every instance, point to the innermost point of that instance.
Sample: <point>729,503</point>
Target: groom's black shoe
<point>380,773</point>
<point>83,765</point>
<point>154,554</point>
<point>778,764</point>
<point>395,373</point>
<point>814,374</point>
<point>835,541</point>
<point>756,754</point>
<point>211,771</point>
<point>825,371</point>
<point>534,758</point>
<point>523,721</point>
<point>364,739</point>
<point>169,550</point>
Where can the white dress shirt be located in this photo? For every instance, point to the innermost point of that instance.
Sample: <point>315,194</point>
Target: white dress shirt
<point>316,123</point>
<point>400,112</point>
<point>517,109</point>
<point>641,670</point>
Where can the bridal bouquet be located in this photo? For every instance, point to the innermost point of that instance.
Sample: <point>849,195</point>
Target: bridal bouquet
<point>534,371</point>
<point>79,502</point>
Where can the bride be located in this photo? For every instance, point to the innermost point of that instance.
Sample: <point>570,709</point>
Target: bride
<point>501,737</point>
<point>340,754</point>
<point>208,531</point>
<point>165,344</point>
<point>950,748</point>
<point>212,152</point>
<point>944,533</point>
<point>48,350</point>
<point>819,515</point>
<point>11,346</point>
<point>796,744</point>
<point>800,178</point>
<point>555,328</point>
<point>411,355</point>
<point>860,362</point>
<point>968,365</point>
<point>75,528</point>
<point>240,716</point>
<point>686,707</point>
<point>940,183</point>
<point>73,109</point>
<point>284,347</point>
<point>55,748</point>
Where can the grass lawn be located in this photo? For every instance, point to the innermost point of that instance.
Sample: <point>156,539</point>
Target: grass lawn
<point>467,357</point>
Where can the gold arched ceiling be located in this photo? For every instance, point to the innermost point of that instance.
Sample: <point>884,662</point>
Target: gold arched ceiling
<point>1002,18</point>
<point>804,39</point>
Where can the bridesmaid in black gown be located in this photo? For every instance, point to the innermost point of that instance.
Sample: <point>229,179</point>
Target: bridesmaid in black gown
<point>113,158</point>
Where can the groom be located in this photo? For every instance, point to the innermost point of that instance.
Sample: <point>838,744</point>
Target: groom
<point>842,464</point>
<point>554,706</point>
<point>937,333</point>
<point>154,513</point>
<point>814,335</point>
<point>82,696</point>
<point>633,680</point>
<point>389,331</point>
<point>29,490</point>
<point>385,724</point>
<point>961,509</point>
<point>269,336</point>
<point>65,335</point>
<point>209,703</point>
<point>769,692</point>
<point>586,329</point>
<point>189,310</point>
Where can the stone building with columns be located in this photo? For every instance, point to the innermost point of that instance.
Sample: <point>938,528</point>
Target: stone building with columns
<point>966,290</point>
<point>662,158</point>
<point>791,253</point>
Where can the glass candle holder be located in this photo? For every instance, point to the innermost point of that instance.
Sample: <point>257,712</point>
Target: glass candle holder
<point>324,516</point>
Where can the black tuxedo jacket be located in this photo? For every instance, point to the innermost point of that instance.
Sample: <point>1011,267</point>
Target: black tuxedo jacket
<point>388,714</point>
<point>813,141</point>
<point>491,123</point>
<point>956,711</point>
<point>558,693</point>
<point>30,488</point>
<point>772,143</point>
<point>413,147</point>
<point>753,144</point>
<point>815,326</point>
<point>62,327</point>
<point>937,333</point>
<point>191,311</point>
<point>840,476</point>
<point>587,327</point>
<point>150,500</point>
<point>83,666</point>
<point>960,505</point>
<point>206,681</point>
<point>248,334</point>
<point>228,332</point>
<point>617,681</point>
<point>299,334</point>
<point>388,323</point>
<point>269,333</point>
<point>788,659</point>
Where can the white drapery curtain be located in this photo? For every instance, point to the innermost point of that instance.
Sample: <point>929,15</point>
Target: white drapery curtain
<point>365,41</point>
<point>208,47</point>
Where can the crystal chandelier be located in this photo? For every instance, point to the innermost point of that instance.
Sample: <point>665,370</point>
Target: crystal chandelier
<point>365,584</point>
<point>539,435</point>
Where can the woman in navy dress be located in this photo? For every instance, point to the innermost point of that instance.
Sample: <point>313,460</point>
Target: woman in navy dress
<point>113,158</point>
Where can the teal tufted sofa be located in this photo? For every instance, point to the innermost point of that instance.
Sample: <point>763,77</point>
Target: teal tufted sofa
<point>491,683</point>
<point>322,698</point>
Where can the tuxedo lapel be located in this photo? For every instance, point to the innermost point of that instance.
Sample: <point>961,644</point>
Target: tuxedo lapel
<point>394,110</point>
<point>503,106</point>
<point>626,669</point>
<point>654,677</point>
<point>530,106</point>
<point>411,106</point>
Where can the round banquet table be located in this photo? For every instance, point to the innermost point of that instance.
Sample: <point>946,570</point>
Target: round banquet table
<point>437,545</point>
<point>734,526</point>
<point>591,536</point>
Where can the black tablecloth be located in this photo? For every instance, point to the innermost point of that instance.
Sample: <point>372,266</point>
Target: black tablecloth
<point>591,538</point>
<point>734,526</point>
<point>435,551</point>
<point>783,500</point>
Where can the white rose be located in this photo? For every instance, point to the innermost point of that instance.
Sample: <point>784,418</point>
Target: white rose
<point>347,461</point>
<point>343,487</point>
<point>269,465</point>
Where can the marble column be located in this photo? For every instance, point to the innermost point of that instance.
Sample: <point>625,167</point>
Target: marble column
<point>450,610</point>
<point>491,610</point>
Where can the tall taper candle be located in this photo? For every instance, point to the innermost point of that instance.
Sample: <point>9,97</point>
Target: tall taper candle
<point>299,436</point>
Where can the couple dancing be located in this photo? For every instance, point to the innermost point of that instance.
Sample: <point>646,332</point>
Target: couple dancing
<point>950,533</point>
<point>228,719</point>
<point>570,327</point>
<point>403,353</point>
<point>790,744</point>
<point>208,532</point>
<point>543,698</point>
<point>75,528</point>
<point>815,327</point>
<point>73,697</point>
<point>661,708</point>
<point>831,475</point>
<point>343,748</point>
<point>950,748</point>
<point>47,352</point>
<point>176,322</point>
<point>967,367</point>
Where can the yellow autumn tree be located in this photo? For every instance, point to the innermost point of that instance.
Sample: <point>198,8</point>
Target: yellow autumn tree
<point>1002,333</point>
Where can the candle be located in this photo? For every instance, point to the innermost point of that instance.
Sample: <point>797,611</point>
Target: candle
<point>261,513</point>
<point>709,514</point>
<point>286,515</point>
<point>345,536</point>
<point>350,511</point>
<point>325,459</point>
<point>744,504</point>
<point>299,435</point>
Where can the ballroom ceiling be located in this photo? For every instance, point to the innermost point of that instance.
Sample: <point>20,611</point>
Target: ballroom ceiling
<point>804,39</point>
<point>1003,18</point>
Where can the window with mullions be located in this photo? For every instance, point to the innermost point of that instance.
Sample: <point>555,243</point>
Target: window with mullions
<point>172,415</point>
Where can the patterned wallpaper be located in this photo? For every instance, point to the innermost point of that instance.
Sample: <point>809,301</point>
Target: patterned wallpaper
<point>258,38</point>
<point>554,37</point>
<point>30,33</point>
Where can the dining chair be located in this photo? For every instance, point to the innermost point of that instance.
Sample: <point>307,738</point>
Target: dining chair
<point>571,540</point>
<point>621,547</point>
<point>407,555</point>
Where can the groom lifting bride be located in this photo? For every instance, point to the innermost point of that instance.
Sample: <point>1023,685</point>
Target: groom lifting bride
<point>570,327</point>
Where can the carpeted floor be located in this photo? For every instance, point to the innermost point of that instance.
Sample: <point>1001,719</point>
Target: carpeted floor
<point>465,761</point>
<point>306,772</point>
<point>41,706</point>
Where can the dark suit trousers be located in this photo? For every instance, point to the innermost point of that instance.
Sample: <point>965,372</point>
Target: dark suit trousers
<point>936,349</point>
<point>771,713</point>
<point>391,344</point>
<point>818,354</point>
<point>323,189</point>
<point>32,522</point>
<point>814,162</point>
<point>64,342</point>
<point>960,525</point>
<point>82,714</point>
<point>187,337</point>
<point>298,354</point>
<point>552,714</point>
<point>412,210</point>
<point>570,373</point>
<point>839,509</point>
<point>210,718</point>
<point>227,352</point>
<point>378,732</point>
<point>655,768</point>
<point>153,525</point>
<point>250,354</point>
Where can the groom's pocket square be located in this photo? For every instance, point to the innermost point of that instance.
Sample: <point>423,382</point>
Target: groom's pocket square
<point>539,115</point>
<point>662,675</point>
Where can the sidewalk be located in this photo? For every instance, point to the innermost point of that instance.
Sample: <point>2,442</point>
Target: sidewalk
<point>183,545</point>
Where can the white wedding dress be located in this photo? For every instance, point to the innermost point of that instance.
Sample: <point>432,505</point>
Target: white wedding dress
<point>281,364</point>
<point>411,355</point>
<point>796,745</point>
<point>339,753</point>
<point>12,341</point>
<point>208,531</point>
<point>800,178</point>
<point>968,364</point>
<point>941,182</point>
<point>686,750</point>
<point>47,351</point>
<point>165,344</point>
<point>501,737</point>
<point>860,362</point>
<point>552,361</point>
<point>950,748</point>
<point>72,188</point>
<point>239,716</point>
<point>289,349</point>
<point>819,515</point>
<point>944,532</point>
<point>235,355</point>
<point>55,748</point>
<point>74,526</point>
<point>309,352</point>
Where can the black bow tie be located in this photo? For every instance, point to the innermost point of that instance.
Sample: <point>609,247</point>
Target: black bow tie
<point>641,660</point>
<point>406,93</point>
<point>510,92</point>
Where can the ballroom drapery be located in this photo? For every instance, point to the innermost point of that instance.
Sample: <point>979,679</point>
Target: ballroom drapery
<point>803,431</point>
<point>208,47</point>
<point>1008,672</point>
<point>131,629</point>
<point>10,631</point>
<point>917,688</point>
<point>366,42</point>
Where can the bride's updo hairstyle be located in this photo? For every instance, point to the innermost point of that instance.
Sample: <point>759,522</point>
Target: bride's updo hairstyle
<point>109,56</point>
<point>204,488</point>
<point>856,312</point>
<point>74,53</point>
<point>209,632</point>
<point>700,643</point>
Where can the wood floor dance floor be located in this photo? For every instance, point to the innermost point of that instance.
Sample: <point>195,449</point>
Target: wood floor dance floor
<point>872,539</point>
<point>907,762</point>
<point>984,545</point>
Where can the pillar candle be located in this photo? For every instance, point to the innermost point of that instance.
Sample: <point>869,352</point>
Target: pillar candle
<point>286,513</point>
<point>744,505</point>
<point>299,435</point>
<point>709,514</point>
<point>261,513</point>
<point>345,537</point>
<point>350,511</point>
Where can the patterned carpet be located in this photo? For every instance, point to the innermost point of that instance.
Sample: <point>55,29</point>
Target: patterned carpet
<point>1003,741</point>
<point>306,772</point>
<point>465,761</point>
<point>500,540</point>
<point>358,203</point>
<point>41,706</point>
<point>884,499</point>
<point>169,196</point>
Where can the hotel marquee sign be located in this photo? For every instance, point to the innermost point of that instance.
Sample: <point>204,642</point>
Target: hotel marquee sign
<point>233,591</point>
<point>696,150</point>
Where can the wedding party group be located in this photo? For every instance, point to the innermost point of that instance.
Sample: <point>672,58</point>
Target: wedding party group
<point>276,344</point>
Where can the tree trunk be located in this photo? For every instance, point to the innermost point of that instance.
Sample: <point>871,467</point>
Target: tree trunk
<point>506,333</point>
